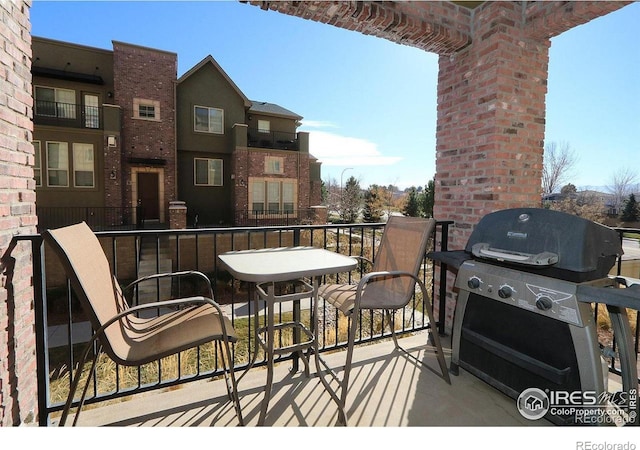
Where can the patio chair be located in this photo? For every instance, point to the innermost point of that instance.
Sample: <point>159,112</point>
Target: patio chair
<point>388,287</point>
<point>121,332</point>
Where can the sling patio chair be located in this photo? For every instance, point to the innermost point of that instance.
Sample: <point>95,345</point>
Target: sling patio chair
<point>121,332</point>
<point>389,287</point>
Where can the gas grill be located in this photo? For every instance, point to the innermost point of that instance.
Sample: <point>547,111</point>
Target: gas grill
<point>526,282</point>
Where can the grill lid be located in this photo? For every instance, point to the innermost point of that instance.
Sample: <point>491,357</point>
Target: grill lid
<point>543,238</point>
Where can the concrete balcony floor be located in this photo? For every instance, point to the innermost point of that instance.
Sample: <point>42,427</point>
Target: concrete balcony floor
<point>387,390</point>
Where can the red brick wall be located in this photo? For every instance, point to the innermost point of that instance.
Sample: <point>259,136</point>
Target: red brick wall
<point>250,163</point>
<point>149,74</point>
<point>491,117</point>
<point>18,388</point>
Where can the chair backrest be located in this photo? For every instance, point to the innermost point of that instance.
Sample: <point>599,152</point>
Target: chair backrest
<point>403,247</point>
<point>86,266</point>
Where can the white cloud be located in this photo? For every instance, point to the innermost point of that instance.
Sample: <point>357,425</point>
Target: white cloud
<point>318,124</point>
<point>335,150</point>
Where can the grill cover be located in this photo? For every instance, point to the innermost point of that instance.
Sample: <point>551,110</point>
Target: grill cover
<point>551,243</point>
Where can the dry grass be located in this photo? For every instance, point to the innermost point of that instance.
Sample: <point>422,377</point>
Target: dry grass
<point>110,376</point>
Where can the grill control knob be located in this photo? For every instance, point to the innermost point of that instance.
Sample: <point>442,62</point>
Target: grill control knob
<point>505,291</point>
<point>544,303</point>
<point>473,283</point>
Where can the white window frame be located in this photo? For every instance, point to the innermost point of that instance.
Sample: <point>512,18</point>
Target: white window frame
<point>211,127</point>
<point>263,196</point>
<point>211,171</point>
<point>37,163</point>
<point>146,103</point>
<point>274,165</point>
<point>78,149</point>
<point>63,148</point>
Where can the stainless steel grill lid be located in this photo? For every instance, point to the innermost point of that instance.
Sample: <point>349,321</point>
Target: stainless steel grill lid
<point>547,242</point>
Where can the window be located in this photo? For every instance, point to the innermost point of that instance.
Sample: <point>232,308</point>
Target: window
<point>273,165</point>
<point>83,168</point>
<point>208,172</point>
<point>288,200</point>
<point>37,166</point>
<point>257,194</point>
<point>146,109</point>
<point>55,102</point>
<point>91,111</point>
<point>208,120</point>
<point>264,126</point>
<point>57,164</point>
<point>272,196</point>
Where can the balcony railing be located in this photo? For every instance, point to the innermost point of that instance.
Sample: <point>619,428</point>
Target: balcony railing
<point>61,328</point>
<point>280,140</point>
<point>98,218</point>
<point>67,115</point>
<point>274,218</point>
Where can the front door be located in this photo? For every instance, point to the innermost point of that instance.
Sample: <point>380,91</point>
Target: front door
<point>148,195</point>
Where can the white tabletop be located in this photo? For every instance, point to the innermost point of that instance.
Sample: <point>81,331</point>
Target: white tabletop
<point>285,263</point>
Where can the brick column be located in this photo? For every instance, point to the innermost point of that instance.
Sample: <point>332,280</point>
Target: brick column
<point>491,118</point>
<point>177,215</point>
<point>18,387</point>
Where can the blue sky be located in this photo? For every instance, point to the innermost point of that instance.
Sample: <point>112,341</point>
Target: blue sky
<point>369,104</point>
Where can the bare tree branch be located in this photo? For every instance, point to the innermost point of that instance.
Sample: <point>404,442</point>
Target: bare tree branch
<point>623,182</point>
<point>559,162</point>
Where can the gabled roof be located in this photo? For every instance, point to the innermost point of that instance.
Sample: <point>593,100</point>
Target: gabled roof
<point>273,110</point>
<point>209,60</point>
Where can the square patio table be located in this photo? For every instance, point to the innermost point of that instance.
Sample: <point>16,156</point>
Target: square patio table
<point>266,267</point>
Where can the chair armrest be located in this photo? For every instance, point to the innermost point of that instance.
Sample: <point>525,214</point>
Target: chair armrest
<point>363,258</point>
<point>393,273</point>
<point>165,303</point>
<point>382,274</point>
<point>171,275</point>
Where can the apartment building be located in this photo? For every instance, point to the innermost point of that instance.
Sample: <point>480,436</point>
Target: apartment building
<point>119,137</point>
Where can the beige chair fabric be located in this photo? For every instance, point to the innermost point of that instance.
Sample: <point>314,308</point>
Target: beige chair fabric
<point>127,338</point>
<point>389,286</point>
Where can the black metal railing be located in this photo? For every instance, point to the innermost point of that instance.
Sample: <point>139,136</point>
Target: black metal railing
<point>262,218</point>
<point>281,140</point>
<point>197,249</point>
<point>629,267</point>
<point>61,329</point>
<point>98,218</point>
<point>67,115</point>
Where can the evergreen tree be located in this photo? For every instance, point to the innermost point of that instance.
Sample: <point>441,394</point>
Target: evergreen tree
<point>373,208</point>
<point>350,201</point>
<point>631,210</point>
<point>427,199</point>
<point>412,207</point>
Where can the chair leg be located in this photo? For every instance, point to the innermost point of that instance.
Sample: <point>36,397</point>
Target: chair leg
<point>434,334</point>
<point>76,381</point>
<point>392,327</point>
<point>353,318</point>
<point>232,391</point>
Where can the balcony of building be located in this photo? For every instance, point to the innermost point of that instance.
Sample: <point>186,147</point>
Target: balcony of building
<point>387,390</point>
<point>279,140</point>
